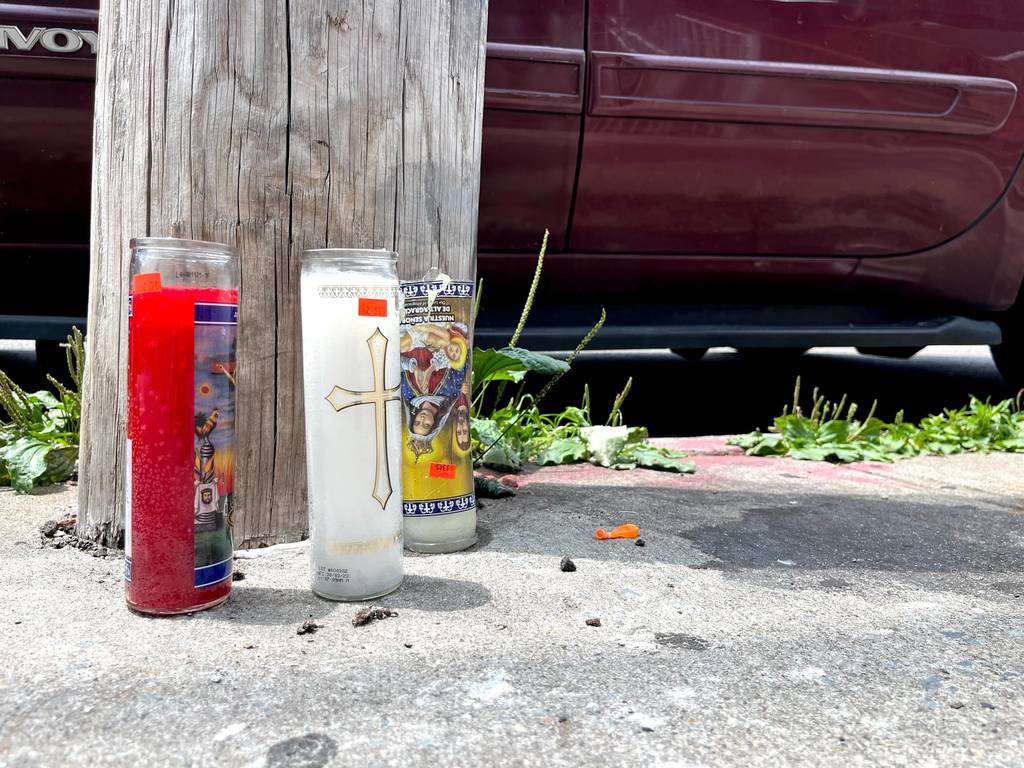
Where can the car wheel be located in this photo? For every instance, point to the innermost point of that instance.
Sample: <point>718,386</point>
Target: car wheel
<point>771,354</point>
<point>691,354</point>
<point>51,358</point>
<point>1009,356</point>
<point>1009,359</point>
<point>899,353</point>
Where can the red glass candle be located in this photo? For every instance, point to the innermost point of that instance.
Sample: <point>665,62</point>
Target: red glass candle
<point>182,323</point>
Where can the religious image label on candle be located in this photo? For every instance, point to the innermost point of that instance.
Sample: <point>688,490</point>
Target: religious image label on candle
<point>437,463</point>
<point>214,463</point>
<point>128,499</point>
<point>350,347</point>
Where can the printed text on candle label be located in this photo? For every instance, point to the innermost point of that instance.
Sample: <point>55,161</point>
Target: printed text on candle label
<point>146,282</point>
<point>446,471</point>
<point>373,307</point>
<point>332,575</point>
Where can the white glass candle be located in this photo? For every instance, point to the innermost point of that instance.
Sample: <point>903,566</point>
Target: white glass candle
<point>350,352</point>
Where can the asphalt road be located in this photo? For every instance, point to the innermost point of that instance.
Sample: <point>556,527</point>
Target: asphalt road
<point>727,393</point>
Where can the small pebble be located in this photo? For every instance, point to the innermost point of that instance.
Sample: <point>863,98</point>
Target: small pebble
<point>640,543</point>
<point>956,705</point>
<point>372,613</point>
<point>593,622</point>
<point>567,565</point>
<point>407,645</point>
<point>308,628</point>
<point>237,575</point>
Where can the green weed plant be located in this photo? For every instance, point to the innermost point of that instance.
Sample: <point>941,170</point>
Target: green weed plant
<point>509,431</point>
<point>39,437</point>
<point>832,432</point>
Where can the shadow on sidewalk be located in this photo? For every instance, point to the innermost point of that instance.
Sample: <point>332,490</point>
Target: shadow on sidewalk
<point>265,606</point>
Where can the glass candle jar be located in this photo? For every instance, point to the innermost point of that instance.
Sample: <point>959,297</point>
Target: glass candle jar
<point>180,458</point>
<point>350,357</point>
<point>437,446</point>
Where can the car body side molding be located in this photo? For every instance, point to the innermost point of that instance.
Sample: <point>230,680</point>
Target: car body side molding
<point>534,77</point>
<point>730,90</point>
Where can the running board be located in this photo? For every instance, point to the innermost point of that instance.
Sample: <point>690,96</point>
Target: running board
<point>45,327</point>
<point>919,333</point>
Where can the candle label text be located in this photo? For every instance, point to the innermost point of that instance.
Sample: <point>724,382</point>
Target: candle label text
<point>373,307</point>
<point>213,469</point>
<point>146,282</point>
<point>437,462</point>
<point>446,471</point>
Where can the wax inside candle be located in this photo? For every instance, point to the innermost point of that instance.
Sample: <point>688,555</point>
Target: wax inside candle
<point>441,533</point>
<point>162,397</point>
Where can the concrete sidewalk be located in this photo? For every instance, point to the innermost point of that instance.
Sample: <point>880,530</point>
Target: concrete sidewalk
<point>782,612</point>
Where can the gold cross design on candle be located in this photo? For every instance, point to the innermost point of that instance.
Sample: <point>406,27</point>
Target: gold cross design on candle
<point>341,398</point>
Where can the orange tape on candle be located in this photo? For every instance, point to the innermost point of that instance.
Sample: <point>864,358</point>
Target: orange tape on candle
<point>146,283</point>
<point>446,471</point>
<point>373,307</point>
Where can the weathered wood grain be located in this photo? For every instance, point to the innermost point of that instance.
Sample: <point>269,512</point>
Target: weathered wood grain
<point>277,126</point>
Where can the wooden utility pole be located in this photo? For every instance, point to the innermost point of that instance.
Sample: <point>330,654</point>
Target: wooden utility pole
<point>276,126</point>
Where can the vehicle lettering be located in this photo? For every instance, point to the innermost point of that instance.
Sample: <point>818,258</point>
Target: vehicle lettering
<point>55,40</point>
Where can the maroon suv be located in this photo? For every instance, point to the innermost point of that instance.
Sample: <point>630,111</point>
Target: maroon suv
<point>757,173</point>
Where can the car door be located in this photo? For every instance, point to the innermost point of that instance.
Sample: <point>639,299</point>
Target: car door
<point>533,103</point>
<point>796,127</point>
<point>47,71</point>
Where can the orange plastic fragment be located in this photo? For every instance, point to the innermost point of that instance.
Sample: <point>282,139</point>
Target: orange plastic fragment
<point>627,531</point>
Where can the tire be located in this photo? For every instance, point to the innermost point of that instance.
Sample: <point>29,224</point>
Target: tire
<point>691,354</point>
<point>51,358</point>
<point>1009,359</point>
<point>771,354</point>
<point>1009,356</point>
<point>898,353</point>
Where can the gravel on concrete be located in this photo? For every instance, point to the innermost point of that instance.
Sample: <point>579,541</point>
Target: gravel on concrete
<point>781,613</point>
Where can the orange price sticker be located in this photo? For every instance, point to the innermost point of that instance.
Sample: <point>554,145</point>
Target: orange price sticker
<point>146,283</point>
<point>373,307</point>
<point>446,471</point>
